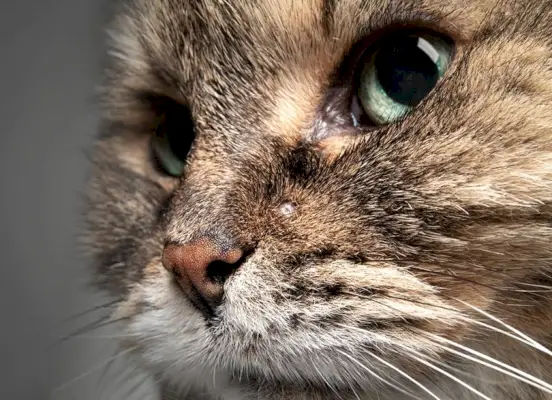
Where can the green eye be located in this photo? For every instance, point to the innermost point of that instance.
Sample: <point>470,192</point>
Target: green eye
<point>173,138</point>
<point>400,73</point>
<point>167,154</point>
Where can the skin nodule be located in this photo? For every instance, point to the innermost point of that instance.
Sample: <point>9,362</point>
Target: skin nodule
<point>376,261</point>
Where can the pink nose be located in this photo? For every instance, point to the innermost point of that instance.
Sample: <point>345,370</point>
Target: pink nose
<point>201,268</point>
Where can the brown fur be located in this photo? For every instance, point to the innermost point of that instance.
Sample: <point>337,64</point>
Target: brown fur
<point>393,225</point>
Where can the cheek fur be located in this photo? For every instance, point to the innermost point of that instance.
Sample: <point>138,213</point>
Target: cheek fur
<point>161,322</point>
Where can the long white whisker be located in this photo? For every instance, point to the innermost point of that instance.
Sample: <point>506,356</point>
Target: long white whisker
<point>515,373</point>
<point>465,373</point>
<point>549,288</point>
<point>498,330</point>
<point>536,344</point>
<point>330,386</point>
<point>414,381</point>
<point>103,375</point>
<point>474,321</point>
<point>442,371</point>
<point>377,376</point>
<point>355,393</point>
<point>533,382</point>
<point>492,364</point>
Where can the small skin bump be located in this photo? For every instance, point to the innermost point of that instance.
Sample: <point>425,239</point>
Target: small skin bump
<point>287,208</point>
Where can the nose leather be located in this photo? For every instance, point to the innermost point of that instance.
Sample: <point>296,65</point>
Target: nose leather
<point>194,266</point>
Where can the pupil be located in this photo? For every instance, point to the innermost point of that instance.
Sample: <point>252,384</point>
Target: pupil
<point>407,69</point>
<point>178,132</point>
<point>179,144</point>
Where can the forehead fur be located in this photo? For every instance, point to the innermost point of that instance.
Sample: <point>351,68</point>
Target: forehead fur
<point>269,64</point>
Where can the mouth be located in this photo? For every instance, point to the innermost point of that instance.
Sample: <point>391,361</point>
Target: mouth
<point>201,304</point>
<point>197,301</point>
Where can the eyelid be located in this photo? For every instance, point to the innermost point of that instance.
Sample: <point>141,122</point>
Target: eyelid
<point>375,35</point>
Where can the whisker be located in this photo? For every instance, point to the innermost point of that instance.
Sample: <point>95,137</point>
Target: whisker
<point>89,372</point>
<point>399,312</point>
<point>532,291</point>
<point>434,367</point>
<point>544,289</point>
<point>86,328</point>
<point>330,386</point>
<point>134,388</point>
<point>401,372</point>
<point>355,393</point>
<point>101,337</point>
<point>495,329</point>
<point>535,292</point>
<point>88,311</point>
<point>410,353</point>
<point>103,375</point>
<point>500,366</point>
<point>535,285</point>
<point>460,278</point>
<point>465,373</point>
<point>496,368</point>
<point>536,344</point>
<point>521,375</point>
<point>460,316</point>
<point>102,322</point>
<point>545,275</point>
<point>423,303</point>
<point>377,376</point>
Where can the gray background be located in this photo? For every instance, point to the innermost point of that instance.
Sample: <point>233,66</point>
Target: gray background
<point>51,54</point>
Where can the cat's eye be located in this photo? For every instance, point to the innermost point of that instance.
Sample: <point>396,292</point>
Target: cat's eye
<point>399,72</point>
<point>173,138</point>
<point>169,154</point>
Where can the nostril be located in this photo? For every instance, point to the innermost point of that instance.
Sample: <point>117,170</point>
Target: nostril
<point>201,267</point>
<point>219,271</point>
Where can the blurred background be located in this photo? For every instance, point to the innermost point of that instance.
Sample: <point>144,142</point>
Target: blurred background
<point>51,57</point>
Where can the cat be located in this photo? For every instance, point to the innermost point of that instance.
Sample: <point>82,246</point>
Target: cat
<point>329,199</point>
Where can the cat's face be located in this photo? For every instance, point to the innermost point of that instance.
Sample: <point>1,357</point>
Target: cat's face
<point>366,242</point>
